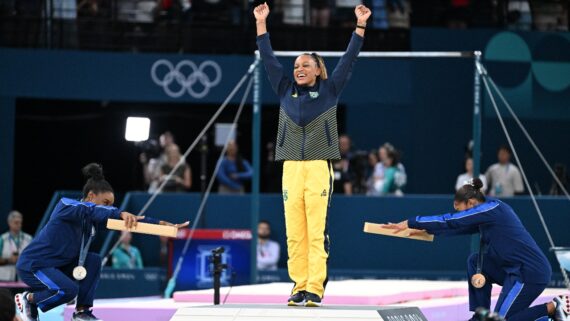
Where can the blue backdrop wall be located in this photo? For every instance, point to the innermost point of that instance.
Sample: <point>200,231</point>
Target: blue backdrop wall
<point>351,249</point>
<point>422,106</point>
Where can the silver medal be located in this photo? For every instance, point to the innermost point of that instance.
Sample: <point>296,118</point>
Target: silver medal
<point>79,273</point>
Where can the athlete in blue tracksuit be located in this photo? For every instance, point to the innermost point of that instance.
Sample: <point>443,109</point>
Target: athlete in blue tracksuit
<point>47,264</point>
<point>511,257</point>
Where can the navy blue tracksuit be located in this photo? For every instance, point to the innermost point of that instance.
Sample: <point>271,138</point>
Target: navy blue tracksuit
<point>46,265</point>
<point>511,258</point>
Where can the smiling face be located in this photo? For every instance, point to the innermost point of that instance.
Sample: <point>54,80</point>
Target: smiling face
<point>305,71</point>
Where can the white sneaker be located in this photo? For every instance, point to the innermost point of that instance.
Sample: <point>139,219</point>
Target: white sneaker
<point>562,312</point>
<point>28,311</point>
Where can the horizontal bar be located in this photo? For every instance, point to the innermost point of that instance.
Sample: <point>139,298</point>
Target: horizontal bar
<point>388,54</point>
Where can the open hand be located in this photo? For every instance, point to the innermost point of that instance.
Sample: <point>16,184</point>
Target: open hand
<point>362,14</point>
<point>179,226</point>
<point>130,219</point>
<point>414,232</point>
<point>261,12</point>
<point>397,227</point>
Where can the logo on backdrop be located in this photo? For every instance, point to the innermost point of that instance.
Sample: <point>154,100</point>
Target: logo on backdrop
<point>186,77</point>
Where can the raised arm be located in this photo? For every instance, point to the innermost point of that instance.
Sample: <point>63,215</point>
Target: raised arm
<point>272,66</point>
<point>261,12</point>
<point>362,14</point>
<point>343,69</point>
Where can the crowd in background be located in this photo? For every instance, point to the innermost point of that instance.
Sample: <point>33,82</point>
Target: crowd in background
<point>514,14</point>
<point>377,172</point>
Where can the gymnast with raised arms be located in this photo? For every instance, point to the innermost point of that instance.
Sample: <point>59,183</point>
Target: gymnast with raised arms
<point>307,141</point>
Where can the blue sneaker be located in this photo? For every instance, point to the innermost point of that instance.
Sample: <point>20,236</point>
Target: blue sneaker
<point>312,300</point>
<point>28,310</point>
<point>562,312</point>
<point>297,299</point>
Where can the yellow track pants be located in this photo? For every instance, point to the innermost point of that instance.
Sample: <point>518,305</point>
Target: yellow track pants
<point>307,189</point>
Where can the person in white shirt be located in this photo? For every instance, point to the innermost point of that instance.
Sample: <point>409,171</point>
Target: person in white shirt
<point>12,243</point>
<point>463,178</point>
<point>268,251</point>
<point>504,178</point>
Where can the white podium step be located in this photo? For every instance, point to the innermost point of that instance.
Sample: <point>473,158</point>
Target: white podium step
<point>260,312</point>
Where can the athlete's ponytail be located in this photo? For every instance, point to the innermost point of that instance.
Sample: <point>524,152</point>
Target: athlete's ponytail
<point>320,63</point>
<point>96,182</point>
<point>471,190</point>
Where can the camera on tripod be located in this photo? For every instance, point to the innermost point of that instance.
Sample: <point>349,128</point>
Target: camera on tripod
<point>483,314</point>
<point>217,268</point>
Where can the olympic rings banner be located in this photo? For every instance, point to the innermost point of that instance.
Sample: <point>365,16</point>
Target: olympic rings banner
<point>120,76</point>
<point>186,77</point>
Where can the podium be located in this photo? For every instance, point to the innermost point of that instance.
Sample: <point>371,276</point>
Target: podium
<point>252,312</point>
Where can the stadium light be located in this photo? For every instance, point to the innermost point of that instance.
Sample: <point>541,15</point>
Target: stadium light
<point>137,129</point>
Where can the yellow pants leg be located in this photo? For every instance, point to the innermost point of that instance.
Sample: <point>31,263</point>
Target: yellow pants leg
<point>296,223</point>
<point>318,188</point>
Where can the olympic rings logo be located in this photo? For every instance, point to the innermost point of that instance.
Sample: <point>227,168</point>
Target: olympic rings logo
<point>186,76</point>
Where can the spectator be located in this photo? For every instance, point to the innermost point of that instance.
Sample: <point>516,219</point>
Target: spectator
<point>88,8</point>
<point>12,243</point>
<point>152,165</point>
<point>388,183</point>
<point>560,171</point>
<point>503,178</point>
<point>519,15</point>
<point>268,251</point>
<point>459,13</point>
<point>181,179</point>
<point>293,12</point>
<point>342,171</point>
<point>320,13</point>
<point>7,307</point>
<point>168,10</point>
<point>372,162</point>
<point>65,23</point>
<point>463,178</point>
<point>344,11</point>
<point>390,14</point>
<point>234,171</point>
<point>399,14</point>
<point>127,256</point>
<point>379,171</point>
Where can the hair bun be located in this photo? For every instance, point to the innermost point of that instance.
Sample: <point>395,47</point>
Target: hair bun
<point>477,183</point>
<point>93,171</point>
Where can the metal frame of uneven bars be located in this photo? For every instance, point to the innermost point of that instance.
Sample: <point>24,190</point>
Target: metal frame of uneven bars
<point>256,119</point>
<point>387,54</point>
